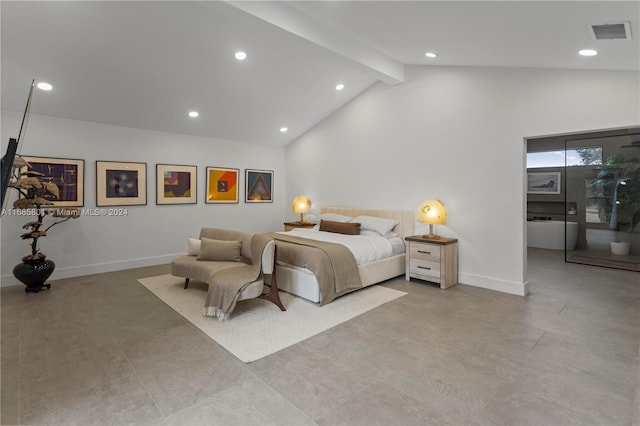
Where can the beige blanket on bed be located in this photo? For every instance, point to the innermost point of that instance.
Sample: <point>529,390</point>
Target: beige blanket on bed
<point>227,284</point>
<point>333,264</point>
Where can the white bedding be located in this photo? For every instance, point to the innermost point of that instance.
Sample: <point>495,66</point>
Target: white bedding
<point>365,248</point>
<point>303,283</point>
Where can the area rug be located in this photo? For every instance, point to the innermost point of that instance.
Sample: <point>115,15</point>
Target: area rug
<point>257,328</point>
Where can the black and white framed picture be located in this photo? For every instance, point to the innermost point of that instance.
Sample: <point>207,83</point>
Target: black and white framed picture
<point>543,183</point>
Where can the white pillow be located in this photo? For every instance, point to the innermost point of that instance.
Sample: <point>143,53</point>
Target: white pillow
<point>335,217</point>
<point>194,247</point>
<point>378,224</point>
<point>310,217</point>
<point>389,234</point>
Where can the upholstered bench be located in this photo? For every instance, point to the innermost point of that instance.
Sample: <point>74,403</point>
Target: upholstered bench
<point>217,250</point>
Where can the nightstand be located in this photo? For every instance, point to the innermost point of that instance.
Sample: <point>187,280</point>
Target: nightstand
<point>432,259</point>
<point>288,226</point>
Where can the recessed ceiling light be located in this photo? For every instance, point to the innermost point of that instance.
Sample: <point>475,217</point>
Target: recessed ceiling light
<point>241,56</point>
<point>431,55</point>
<point>588,52</point>
<point>283,129</point>
<point>193,114</point>
<point>44,86</point>
<point>340,87</point>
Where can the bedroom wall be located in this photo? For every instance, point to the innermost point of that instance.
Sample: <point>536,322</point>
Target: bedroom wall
<point>456,134</point>
<point>148,235</point>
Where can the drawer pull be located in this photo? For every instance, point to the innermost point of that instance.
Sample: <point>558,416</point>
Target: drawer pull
<point>423,267</point>
<point>424,252</point>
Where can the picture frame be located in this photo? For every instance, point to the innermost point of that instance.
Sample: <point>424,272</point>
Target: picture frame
<point>544,183</point>
<point>222,185</point>
<point>258,186</point>
<point>121,183</point>
<point>176,184</point>
<point>66,173</point>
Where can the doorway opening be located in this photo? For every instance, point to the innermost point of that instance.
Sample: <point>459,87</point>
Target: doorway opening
<point>583,196</point>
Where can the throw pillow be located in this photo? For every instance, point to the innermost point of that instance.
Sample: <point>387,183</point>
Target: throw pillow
<point>347,228</point>
<point>220,250</point>
<point>194,247</point>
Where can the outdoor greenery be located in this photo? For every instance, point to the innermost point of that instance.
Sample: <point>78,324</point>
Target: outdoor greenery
<point>590,156</point>
<point>616,188</point>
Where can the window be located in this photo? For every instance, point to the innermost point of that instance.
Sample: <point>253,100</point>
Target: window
<point>589,156</point>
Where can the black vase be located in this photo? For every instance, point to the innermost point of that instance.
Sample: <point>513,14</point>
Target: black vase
<point>34,274</point>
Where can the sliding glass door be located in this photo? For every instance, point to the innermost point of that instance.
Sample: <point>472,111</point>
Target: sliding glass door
<point>602,199</point>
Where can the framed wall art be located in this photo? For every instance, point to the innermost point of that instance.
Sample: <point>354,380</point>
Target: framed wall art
<point>543,183</point>
<point>222,185</point>
<point>258,186</point>
<point>176,184</point>
<point>121,183</point>
<point>67,174</point>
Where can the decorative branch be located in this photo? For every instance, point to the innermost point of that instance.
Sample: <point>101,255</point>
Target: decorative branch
<point>55,223</point>
<point>34,194</point>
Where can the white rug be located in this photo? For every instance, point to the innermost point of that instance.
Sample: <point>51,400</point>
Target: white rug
<point>258,328</point>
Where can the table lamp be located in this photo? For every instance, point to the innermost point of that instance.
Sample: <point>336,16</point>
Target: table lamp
<point>301,204</point>
<point>432,212</point>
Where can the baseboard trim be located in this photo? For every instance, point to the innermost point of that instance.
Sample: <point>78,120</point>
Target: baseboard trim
<point>504,286</point>
<point>98,268</point>
<point>511,287</point>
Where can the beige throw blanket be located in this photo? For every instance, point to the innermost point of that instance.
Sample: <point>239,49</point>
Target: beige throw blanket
<point>226,285</point>
<point>333,264</point>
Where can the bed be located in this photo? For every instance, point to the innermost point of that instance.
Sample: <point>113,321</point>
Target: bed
<point>302,282</point>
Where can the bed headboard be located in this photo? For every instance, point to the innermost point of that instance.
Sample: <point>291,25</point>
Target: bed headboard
<point>406,219</point>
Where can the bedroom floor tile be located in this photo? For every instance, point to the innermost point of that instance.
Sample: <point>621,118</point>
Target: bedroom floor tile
<point>511,407</point>
<point>250,401</point>
<point>536,382</point>
<point>380,404</point>
<point>116,402</point>
<point>187,369</point>
<point>102,349</point>
<point>10,385</point>
<point>315,383</point>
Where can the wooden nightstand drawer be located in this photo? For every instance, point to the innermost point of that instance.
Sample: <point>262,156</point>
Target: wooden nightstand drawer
<point>432,259</point>
<point>425,251</point>
<point>426,268</point>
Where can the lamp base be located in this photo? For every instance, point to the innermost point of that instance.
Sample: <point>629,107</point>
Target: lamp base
<point>302,221</point>
<point>432,236</point>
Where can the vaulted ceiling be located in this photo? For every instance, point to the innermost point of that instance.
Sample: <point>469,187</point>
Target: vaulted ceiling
<point>146,64</point>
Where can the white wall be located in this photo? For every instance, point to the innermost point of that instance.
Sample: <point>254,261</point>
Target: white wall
<point>148,235</point>
<point>456,134</point>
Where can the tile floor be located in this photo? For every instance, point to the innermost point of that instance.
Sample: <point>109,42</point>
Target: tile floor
<point>103,350</point>
<point>630,262</point>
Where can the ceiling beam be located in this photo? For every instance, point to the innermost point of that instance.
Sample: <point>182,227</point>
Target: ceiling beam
<point>278,13</point>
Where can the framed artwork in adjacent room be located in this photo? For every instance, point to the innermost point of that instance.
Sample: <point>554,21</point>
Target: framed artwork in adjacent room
<point>258,186</point>
<point>543,183</point>
<point>121,183</point>
<point>222,185</point>
<point>67,174</point>
<point>176,184</point>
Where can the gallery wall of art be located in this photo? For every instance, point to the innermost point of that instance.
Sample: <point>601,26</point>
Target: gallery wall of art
<point>141,193</point>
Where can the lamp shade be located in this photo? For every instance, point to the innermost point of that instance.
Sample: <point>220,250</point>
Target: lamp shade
<point>432,212</point>
<point>301,204</point>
